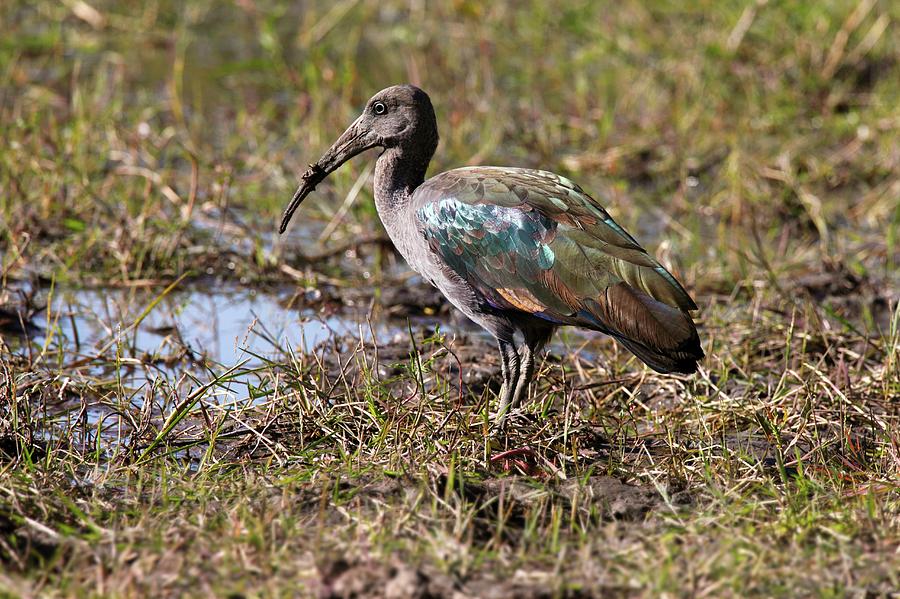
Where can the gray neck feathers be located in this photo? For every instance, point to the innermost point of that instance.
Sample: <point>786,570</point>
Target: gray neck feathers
<point>397,175</point>
<point>398,172</point>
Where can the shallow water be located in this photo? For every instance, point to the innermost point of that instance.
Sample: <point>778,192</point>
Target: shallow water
<point>188,338</point>
<point>219,328</point>
<point>225,326</point>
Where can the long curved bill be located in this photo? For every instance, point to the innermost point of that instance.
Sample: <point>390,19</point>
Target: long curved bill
<point>351,142</point>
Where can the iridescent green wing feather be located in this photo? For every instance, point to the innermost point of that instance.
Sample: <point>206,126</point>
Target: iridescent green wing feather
<point>575,227</point>
<point>535,242</point>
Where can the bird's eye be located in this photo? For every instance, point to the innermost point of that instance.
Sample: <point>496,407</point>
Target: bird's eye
<point>379,108</point>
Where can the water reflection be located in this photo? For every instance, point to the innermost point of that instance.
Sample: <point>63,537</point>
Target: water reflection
<point>224,328</point>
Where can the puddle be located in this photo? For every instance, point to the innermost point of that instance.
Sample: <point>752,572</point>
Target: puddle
<point>186,340</point>
<point>224,328</point>
<point>221,329</point>
<point>199,333</point>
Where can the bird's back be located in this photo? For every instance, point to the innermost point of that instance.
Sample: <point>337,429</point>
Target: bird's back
<point>533,243</point>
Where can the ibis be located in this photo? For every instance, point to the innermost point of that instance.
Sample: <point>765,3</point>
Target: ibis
<point>519,251</point>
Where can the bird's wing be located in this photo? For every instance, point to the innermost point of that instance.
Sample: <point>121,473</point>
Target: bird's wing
<point>535,242</point>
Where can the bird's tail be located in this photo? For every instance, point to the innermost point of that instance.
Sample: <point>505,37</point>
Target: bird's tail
<point>683,361</point>
<point>662,336</point>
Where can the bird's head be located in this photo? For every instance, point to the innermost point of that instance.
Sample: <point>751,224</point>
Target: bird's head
<point>400,116</point>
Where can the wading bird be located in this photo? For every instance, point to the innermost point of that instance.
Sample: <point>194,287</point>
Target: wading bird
<point>516,250</point>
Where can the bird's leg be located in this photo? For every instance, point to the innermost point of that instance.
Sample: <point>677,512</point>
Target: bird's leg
<point>526,371</point>
<point>509,365</point>
<point>535,339</point>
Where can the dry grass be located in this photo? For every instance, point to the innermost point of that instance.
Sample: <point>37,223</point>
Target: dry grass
<point>149,144</point>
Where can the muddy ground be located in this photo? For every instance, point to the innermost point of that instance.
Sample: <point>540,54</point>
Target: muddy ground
<point>193,405</point>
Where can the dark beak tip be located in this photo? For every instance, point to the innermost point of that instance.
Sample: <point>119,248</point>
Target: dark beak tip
<point>346,147</point>
<point>308,181</point>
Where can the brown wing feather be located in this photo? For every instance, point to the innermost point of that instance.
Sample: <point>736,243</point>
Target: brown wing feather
<point>662,336</point>
<point>535,242</point>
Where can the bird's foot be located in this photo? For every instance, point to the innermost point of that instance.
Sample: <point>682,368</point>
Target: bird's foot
<point>500,419</point>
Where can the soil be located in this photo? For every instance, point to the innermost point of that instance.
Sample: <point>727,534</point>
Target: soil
<point>607,498</point>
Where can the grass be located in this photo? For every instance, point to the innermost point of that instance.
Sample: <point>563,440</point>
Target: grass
<point>150,146</point>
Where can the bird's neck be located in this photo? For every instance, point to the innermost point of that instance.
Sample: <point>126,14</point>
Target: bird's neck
<point>398,173</point>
